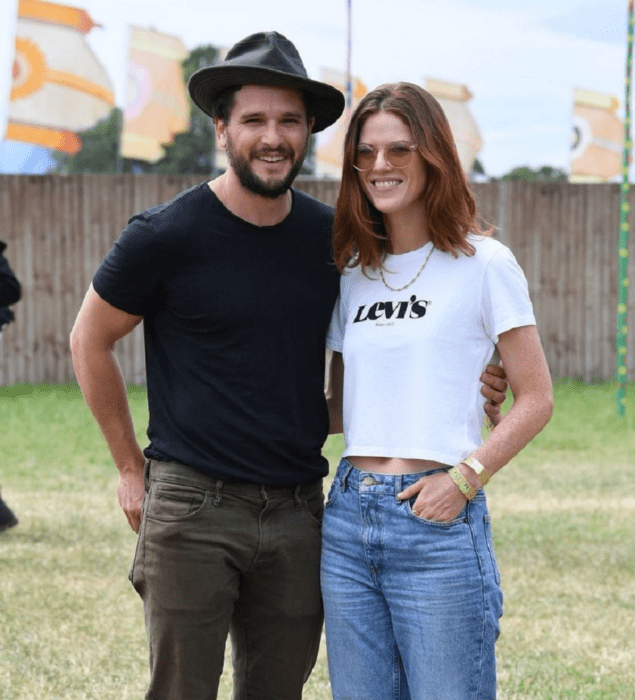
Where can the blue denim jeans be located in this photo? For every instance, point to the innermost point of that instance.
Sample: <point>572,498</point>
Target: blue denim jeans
<point>411,606</point>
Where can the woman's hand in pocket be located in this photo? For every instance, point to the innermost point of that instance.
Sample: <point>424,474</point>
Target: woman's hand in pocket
<point>438,498</point>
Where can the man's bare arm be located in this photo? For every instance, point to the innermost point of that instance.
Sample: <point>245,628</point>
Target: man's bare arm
<point>98,326</point>
<point>334,390</point>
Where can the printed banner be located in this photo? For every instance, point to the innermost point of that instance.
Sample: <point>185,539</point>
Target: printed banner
<point>59,87</point>
<point>453,98</point>
<point>596,142</point>
<point>330,142</point>
<point>157,105</point>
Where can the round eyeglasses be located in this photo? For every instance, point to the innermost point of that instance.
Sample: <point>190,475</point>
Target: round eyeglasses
<point>397,154</point>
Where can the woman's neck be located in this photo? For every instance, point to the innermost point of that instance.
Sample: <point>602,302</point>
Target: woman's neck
<point>405,232</point>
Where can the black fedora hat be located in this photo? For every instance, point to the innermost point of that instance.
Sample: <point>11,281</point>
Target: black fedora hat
<point>266,58</point>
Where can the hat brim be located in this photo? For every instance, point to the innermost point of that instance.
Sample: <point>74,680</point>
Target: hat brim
<point>205,84</point>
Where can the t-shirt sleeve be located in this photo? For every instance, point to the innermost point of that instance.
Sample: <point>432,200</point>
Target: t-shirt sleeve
<point>335,334</point>
<point>506,302</point>
<point>129,276</point>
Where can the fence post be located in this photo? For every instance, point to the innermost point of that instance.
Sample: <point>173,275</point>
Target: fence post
<point>622,293</point>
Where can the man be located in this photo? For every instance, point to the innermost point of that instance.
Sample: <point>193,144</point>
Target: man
<point>234,283</point>
<point>10,293</point>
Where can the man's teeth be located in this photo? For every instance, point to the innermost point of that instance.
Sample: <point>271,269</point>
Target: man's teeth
<point>271,159</point>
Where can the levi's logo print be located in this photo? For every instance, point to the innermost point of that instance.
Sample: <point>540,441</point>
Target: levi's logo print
<point>391,310</point>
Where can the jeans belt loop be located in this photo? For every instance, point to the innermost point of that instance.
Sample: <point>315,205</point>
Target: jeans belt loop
<point>146,474</point>
<point>219,496</point>
<point>345,477</point>
<point>296,496</point>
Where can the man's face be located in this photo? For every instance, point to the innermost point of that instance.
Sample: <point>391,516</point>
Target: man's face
<point>266,138</point>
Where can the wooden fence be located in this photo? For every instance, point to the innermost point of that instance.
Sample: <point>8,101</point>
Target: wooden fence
<point>58,228</point>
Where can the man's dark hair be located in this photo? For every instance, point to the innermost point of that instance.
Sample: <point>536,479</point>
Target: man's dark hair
<point>225,100</point>
<point>224,103</point>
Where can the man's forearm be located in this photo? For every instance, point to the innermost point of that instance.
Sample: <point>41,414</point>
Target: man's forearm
<point>335,416</point>
<point>333,391</point>
<point>102,384</point>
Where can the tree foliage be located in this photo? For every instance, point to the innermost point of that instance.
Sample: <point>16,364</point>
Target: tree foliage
<point>99,149</point>
<point>477,168</point>
<point>545,173</point>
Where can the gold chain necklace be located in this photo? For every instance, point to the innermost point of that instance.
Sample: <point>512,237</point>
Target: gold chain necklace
<point>412,281</point>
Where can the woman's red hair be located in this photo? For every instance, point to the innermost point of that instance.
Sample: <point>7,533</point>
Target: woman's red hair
<point>359,235</point>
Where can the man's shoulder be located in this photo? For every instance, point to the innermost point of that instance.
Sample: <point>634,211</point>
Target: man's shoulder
<point>187,201</point>
<point>163,228</point>
<point>308,205</point>
<point>170,223</point>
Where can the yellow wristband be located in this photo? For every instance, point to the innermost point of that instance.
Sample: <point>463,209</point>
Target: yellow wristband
<point>463,484</point>
<point>482,473</point>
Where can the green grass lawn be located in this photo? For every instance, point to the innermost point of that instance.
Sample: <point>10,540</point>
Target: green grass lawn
<point>564,523</point>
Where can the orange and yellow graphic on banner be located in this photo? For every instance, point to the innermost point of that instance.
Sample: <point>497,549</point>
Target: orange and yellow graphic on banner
<point>59,87</point>
<point>330,147</point>
<point>596,146</point>
<point>453,98</point>
<point>157,105</point>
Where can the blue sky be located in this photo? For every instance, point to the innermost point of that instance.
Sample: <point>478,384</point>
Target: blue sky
<point>521,61</point>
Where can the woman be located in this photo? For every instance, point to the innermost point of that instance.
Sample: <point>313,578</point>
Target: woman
<point>427,299</point>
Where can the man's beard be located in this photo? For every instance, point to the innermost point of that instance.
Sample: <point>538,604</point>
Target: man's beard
<point>250,181</point>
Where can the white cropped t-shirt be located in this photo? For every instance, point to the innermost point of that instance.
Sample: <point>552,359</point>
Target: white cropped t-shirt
<point>413,359</point>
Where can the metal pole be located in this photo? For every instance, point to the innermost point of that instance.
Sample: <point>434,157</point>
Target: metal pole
<point>622,289</point>
<point>349,79</point>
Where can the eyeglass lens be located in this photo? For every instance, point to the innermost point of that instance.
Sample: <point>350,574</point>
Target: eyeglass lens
<point>397,154</point>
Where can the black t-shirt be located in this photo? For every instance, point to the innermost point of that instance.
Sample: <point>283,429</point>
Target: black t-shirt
<point>235,320</point>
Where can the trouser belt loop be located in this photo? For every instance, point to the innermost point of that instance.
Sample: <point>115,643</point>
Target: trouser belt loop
<point>219,488</point>
<point>345,477</point>
<point>263,493</point>
<point>146,474</point>
<point>296,496</point>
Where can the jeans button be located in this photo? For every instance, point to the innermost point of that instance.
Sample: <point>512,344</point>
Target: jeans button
<point>368,481</point>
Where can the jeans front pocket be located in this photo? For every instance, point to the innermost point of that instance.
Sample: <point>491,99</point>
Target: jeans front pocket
<point>460,518</point>
<point>137,561</point>
<point>313,505</point>
<point>169,501</point>
<point>335,488</point>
